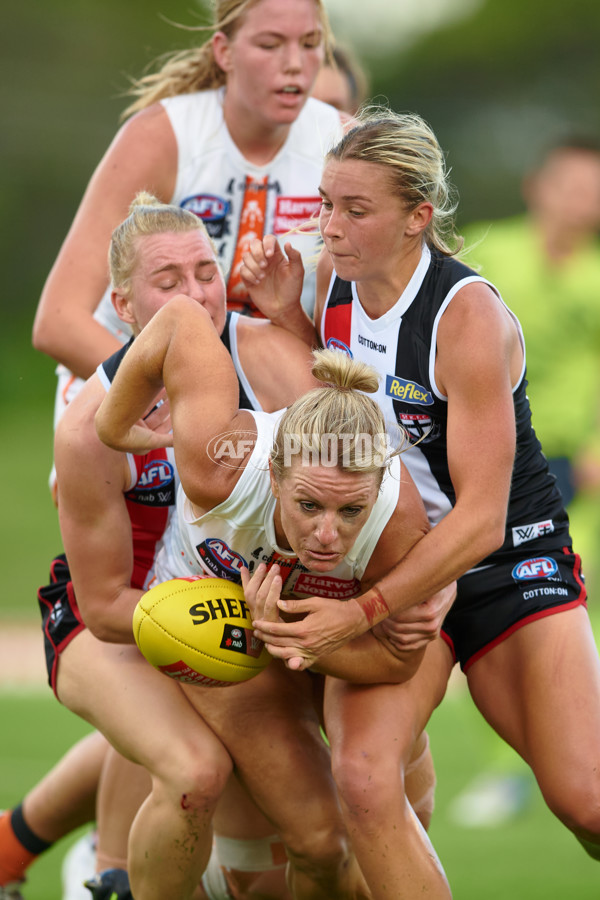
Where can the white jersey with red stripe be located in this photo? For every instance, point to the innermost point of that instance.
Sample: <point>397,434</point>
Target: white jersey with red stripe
<point>211,179</point>
<point>241,531</point>
<point>212,173</point>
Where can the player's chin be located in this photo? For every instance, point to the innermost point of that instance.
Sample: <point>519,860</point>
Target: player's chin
<point>287,110</point>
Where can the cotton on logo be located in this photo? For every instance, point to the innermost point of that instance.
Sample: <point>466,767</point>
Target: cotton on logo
<point>530,569</point>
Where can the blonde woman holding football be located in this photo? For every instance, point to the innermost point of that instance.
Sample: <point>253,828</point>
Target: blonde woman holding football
<point>312,501</point>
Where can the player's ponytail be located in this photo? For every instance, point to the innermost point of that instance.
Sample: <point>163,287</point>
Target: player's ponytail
<point>336,424</point>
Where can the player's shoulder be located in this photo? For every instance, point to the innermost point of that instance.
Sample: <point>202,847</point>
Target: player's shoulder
<point>76,430</point>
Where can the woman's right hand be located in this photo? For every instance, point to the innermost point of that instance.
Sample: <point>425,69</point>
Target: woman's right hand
<point>273,278</point>
<point>138,439</point>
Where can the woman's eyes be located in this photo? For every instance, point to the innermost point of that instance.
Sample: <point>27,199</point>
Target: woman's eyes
<point>328,206</point>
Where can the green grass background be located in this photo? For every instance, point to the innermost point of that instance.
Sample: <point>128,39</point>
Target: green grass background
<point>533,857</point>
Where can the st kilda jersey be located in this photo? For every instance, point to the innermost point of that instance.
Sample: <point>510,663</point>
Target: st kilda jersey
<point>401,345</point>
<point>152,491</point>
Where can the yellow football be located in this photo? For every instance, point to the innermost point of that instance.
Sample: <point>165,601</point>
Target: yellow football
<point>199,630</point>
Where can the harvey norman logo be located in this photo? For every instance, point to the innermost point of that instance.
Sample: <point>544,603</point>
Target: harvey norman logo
<point>408,391</point>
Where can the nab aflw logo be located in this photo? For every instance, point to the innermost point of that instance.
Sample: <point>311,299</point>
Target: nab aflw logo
<point>523,533</point>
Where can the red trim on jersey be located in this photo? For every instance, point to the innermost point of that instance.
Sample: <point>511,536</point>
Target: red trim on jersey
<point>285,563</point>
<point>337,323</point>
<point>577,574</point>
<point>542,614</point>
<point>147,525</point>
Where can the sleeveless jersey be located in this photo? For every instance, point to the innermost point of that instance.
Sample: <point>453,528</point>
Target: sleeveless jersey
<point>211,180</point>
<point>240,531</point>
<point>152,490</point>
<point>151,493</point>
<point>401,345</point>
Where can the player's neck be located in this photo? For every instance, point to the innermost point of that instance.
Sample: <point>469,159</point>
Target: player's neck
<point>256,140</point>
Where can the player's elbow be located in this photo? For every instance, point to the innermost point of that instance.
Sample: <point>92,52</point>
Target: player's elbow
<point>106,627</point>
<point>41,335</point>
<point>492,533</point>
<point>406,665</point>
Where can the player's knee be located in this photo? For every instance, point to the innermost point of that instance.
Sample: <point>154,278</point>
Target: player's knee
<point>365,784</point>
<point>321,852</point>
<point>579,808</point>
<point>194,780</point>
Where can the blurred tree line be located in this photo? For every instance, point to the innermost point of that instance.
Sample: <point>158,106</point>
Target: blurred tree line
<point>496,87</point>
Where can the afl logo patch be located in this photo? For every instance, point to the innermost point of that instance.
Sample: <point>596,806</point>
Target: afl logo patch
<point>207,207</point>
<point>336,344</point>
<point>220,559</point>
<point>539,567</point>
<point>155,475</point>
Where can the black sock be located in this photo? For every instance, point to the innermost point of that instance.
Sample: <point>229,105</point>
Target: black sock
<point>28,838</point>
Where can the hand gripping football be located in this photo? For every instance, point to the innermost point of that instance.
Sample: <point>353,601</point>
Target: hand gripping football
<point>199,630</point>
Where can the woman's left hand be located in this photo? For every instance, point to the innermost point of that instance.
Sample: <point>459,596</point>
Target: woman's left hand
<point>262,591</point>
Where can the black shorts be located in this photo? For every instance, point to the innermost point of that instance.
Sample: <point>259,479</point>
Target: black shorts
<point>493,601</point>
<point>61,619</point>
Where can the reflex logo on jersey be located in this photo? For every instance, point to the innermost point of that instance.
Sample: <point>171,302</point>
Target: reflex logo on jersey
<point>211,209</point>
<point>221,560</point>
<point>336,344</point>
<point>407,391</point>
<point>536,568</point>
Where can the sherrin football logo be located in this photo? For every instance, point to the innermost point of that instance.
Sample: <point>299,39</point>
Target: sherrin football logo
<point>538,567</point>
